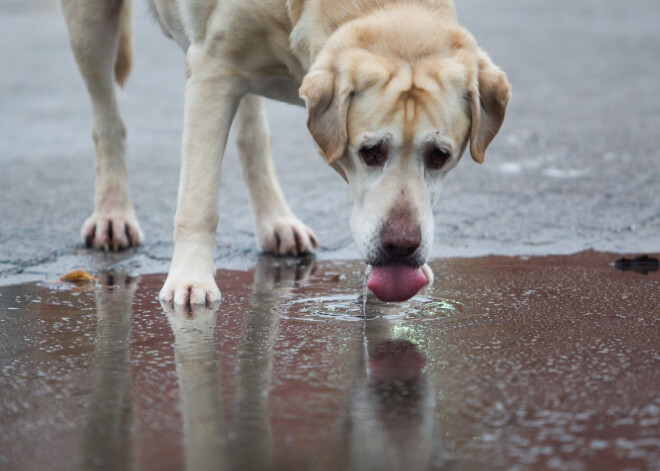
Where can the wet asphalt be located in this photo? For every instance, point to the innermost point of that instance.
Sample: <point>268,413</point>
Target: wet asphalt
<point>576,165</point>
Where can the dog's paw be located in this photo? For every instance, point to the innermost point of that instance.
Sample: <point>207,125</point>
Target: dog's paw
<point>189,290</point>
<point>114,231</point>
<point>286,236</point>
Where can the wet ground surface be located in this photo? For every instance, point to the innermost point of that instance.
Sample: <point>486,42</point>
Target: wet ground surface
<point>505,364</point>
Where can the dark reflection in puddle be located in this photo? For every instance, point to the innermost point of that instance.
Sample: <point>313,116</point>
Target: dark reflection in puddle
<point>642,264</point>
<point>546,363</point>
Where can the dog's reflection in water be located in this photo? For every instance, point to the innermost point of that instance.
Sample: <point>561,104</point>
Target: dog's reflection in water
<point>390,411</point>
<point>198,372</point>
<point>392,406</point>
<point>197,365</point>
<point>388,418</point>
<point>273,278</point>
<point>108,434</point>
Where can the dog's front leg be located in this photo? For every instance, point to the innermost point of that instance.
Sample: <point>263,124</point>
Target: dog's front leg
<point>212,96</point>
<point>100,39</point>
<point>278,229</point>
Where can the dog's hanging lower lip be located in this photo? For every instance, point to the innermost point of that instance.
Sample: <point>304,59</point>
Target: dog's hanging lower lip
<point>396,282</point>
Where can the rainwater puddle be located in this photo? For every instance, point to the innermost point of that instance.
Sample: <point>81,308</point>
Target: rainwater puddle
<point>351,308</point>
<point>505,363</point>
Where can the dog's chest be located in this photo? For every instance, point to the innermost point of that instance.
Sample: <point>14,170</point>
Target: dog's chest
<point>278,88</point>
<point>252,41</point>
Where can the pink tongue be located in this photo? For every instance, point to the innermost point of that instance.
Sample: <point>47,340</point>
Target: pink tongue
<point>396,282</point>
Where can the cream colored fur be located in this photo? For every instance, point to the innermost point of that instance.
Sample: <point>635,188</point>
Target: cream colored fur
<point>403,74</point>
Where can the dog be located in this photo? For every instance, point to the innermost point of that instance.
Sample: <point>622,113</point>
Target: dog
<point>394,90</point>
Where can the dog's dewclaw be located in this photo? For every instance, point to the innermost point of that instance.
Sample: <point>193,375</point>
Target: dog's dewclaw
<point>78,276</point>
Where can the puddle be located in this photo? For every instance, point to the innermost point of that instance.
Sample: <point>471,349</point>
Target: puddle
<point>506,363</point>
<point>354,308</point>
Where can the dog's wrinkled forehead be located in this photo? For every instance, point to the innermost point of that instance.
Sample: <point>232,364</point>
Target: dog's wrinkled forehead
<point>410,99</point>
<point>384,74</point>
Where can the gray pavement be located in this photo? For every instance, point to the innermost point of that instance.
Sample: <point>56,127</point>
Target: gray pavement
<point>576,165</point>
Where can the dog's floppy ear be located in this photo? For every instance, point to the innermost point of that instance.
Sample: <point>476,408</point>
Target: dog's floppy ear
<point>488,99</point>
<point>327,110</point>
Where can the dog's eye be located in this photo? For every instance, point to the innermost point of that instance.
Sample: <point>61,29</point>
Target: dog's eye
<point>374,156</point>
<point>436,158</point>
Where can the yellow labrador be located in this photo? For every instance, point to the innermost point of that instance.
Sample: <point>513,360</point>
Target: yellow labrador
<point>394,91</point>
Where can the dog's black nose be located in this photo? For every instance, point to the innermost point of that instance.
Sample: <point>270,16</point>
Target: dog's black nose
<point>400,239</point>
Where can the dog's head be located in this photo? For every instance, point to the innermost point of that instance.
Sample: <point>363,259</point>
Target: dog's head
<point>393,101</point>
